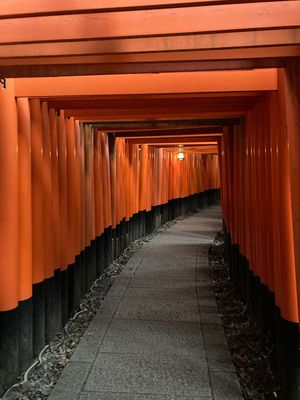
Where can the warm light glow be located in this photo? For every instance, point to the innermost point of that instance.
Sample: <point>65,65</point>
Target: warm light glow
<point>180,156</point>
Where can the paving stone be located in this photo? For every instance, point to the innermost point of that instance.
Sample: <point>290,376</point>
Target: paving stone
<point>162,282</point>
<point>151,310</point>
<point>147,271</point>
<point>210,315</point>
<point>90,342</point>
<point>148,374</point>
<point>131,396</point>
<point>119,286</point>
<point>149,337</point>
<point>108,307</point>
<point>71,381</point>
<point>225,386</point>
<point>161,294</point>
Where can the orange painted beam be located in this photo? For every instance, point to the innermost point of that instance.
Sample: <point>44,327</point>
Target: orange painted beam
<point>195,136</point>
<point>202,102</point>
<point>127,126</point>
<point>17,8</point>
<point>213,131</point>
<point>208,150</point>
<point>27,71</point>
<point>96,118</point>
<point>179,140</point>
<point>189,82</point>
<point>198,150</point>
<point>247,16</point>
<point>159,57</point>
<point>112,114</point>
<point>224,40</point>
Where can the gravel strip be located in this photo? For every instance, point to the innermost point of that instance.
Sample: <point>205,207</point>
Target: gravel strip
<point>250,356</point>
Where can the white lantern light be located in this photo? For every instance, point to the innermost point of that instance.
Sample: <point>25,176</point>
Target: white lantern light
<point>180,156</point>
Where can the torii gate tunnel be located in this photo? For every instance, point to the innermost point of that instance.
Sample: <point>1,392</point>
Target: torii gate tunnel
<point>97,98</point>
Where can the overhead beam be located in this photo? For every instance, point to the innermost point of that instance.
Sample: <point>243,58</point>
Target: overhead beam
<point>173,21</point>
<point>213,136</point>
<point>195,148</point>
<point>131,111</point>
<point>21,9</point>
<point>202,101</point>
<point>212,149</point>
<point>224,40</point>
<point>131,115</point>
<point>123,126</point>
<point>156,57</point>
<point>179,140</point>
<point>212,130</point>
<point>20,71</point>
<point>188,82</point>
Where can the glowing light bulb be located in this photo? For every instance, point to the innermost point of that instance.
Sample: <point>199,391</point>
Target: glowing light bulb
<point>180,156</point>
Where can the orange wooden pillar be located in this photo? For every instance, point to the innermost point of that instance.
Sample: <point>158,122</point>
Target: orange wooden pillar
<point>143,178</point>
<point>290,82</point>
<point>289,305</point>
<point>47,192</point>
<point>98,199</point>
<point>89,203</point>
<point>63,189</point>
<point>63,211</point>
<point>38,250</point>
<point>25,235</point>
<point>112,164</point>
<point>289,89</point>
<point>9,235</point>
<point>73,196</point>
<point>107,211</point>
<point>77,199</point>
<point>71,193</point>
<point>55,189</point>
<point>51,325</point>
<point>98,184</point>
<point>25,206</point>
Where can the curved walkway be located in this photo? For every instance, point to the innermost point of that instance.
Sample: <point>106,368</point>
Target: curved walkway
<point>158,333</point>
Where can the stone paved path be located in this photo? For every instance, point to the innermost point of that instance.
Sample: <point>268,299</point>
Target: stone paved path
<point>158,334</point>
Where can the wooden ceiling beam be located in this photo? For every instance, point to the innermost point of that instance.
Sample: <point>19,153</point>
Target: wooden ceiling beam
<point>125,126</point>
<point>33,71</point>
<point>194,42</point>
<point>157,22</point>
<point>212,130</point>
<point>181,82</point>
<point>180,140</point>
<point>157,57</point>
<point>30,8</point>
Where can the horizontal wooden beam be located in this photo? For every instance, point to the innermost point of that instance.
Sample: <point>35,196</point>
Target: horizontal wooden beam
<point>187,82</point>
<point>130,115</point>
<point>195,148</point>
<point>224,40</point>
<point>201,103</point>
<point>158,57</point>
<point>212,130</point>
<point>179,140</point>
<point>125,126</point>
<point>213,136</point>
<point>21,71</point>
<point>211,149</point>
<point>21,9</point>
<point>139,23</point>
